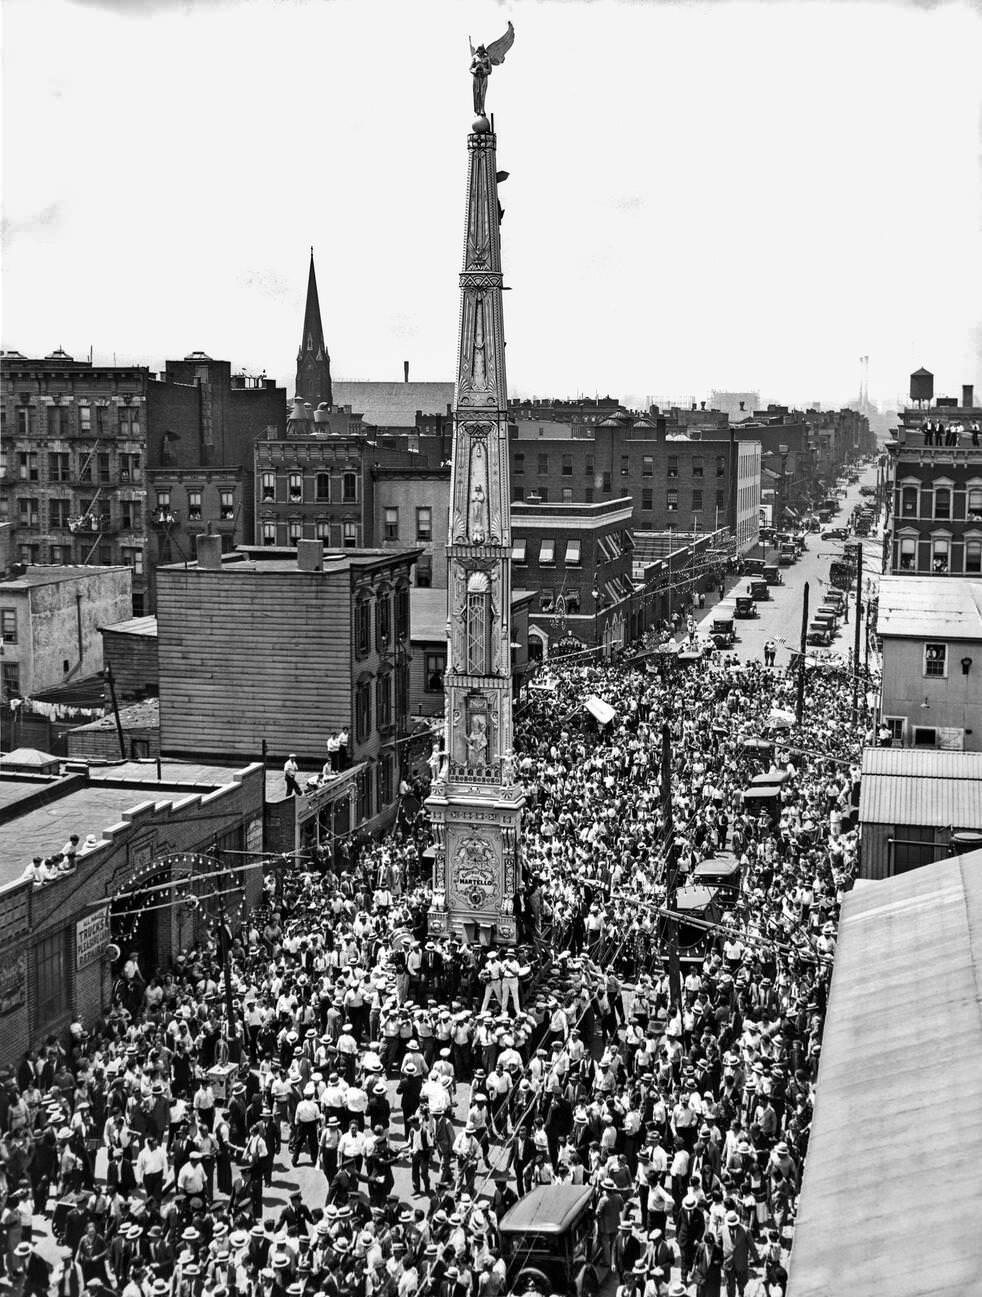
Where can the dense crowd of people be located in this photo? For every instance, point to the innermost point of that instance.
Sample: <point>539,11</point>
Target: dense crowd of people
<point>429,1083</point>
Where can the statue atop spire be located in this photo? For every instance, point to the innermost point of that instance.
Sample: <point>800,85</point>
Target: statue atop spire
<point>483,59</point>
<point>313,360</point>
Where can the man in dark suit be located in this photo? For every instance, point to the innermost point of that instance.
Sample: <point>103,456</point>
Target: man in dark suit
<point>739,1250</point>
<point>689,1232</point>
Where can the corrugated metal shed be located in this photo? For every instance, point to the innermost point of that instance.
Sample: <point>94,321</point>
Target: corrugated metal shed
<point>933,789</point>
<point>926,764</point>
<point>925,607</point>
<point>933,803</point>
<point>890,1196</point>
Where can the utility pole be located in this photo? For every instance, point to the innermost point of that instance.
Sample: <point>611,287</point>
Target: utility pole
<point>108,677</point>
<point>671,873</point>
<point>799,709</point>
<point>225,954</point>
<point>855,641</point>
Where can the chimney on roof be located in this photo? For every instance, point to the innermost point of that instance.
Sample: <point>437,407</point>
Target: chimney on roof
<point>310,555</point>
<point>693,405</point>
<point>743,405</point>
<point>702,405</point>
<point>208,552</point>
<point>405,371</point>
<point>968,395</point>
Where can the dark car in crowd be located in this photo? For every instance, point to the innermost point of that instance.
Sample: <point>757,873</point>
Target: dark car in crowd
<point>836,533</point>
<point>549,1242</point>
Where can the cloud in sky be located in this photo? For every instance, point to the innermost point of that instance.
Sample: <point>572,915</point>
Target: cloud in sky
<point>46,221</point>
<point>700,195</point>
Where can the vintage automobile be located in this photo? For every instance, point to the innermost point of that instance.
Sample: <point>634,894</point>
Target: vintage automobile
<point>721,631</point>
<point>701,906</point>
<point>758,590</point>
<point>787,554</point>
<point>745,606</point>
<point>771,575</point>
<point>754,566</point>
<point>721,872</point>
<point>549,1242</point>
<point>819,636</point>
<point>766,798</point>
<point>836,533</point>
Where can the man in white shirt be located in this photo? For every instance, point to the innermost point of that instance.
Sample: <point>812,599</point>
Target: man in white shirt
<point>510,970</point>
<point>351,1146</point>
<point>191,1178</point>
<point>290,772</point>
<point>493,973</point>
<point>305,1125</point>
<point>151,1168</point>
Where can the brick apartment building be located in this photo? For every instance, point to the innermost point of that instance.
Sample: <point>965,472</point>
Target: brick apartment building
<point>81,443</point>
<point>576,558</point>
<point>935,526</point>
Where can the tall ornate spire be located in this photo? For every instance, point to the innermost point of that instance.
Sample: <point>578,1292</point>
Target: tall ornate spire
<point>474,803</point>
<point>313,361</point>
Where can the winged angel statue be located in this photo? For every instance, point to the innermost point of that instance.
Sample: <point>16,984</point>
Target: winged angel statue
<point>483,59</point>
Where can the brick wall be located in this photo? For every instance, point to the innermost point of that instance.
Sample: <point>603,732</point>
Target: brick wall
<point>153,832</point>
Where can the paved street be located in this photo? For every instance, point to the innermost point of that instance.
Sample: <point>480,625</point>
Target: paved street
<point>780,616</point>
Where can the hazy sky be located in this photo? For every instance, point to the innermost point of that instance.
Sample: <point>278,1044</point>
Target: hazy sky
<point>707,195</point>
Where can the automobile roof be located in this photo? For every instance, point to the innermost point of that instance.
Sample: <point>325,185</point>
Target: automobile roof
<point>549,1209</point>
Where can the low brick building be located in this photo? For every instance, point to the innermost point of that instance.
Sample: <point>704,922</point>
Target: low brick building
<point>135,831</point>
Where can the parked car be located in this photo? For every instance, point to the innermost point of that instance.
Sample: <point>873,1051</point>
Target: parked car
<point>771,575</point>
<point>745,606</point>
<point>758,590</point>
<point>836,533</point>
<point>549,1242</point>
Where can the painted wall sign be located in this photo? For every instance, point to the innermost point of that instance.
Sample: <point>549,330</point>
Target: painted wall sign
<point>91,936</point>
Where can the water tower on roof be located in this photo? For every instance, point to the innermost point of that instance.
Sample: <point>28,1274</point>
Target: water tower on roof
<point>922,387</point>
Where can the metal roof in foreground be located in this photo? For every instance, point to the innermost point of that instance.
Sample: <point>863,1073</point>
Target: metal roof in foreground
<point>891,1191</point>
<point>906,786</point>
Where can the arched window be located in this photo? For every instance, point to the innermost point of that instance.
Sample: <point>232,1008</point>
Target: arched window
<point>478,625</point>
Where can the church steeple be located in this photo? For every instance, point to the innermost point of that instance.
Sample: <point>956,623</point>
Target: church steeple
<point>313,361</point>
